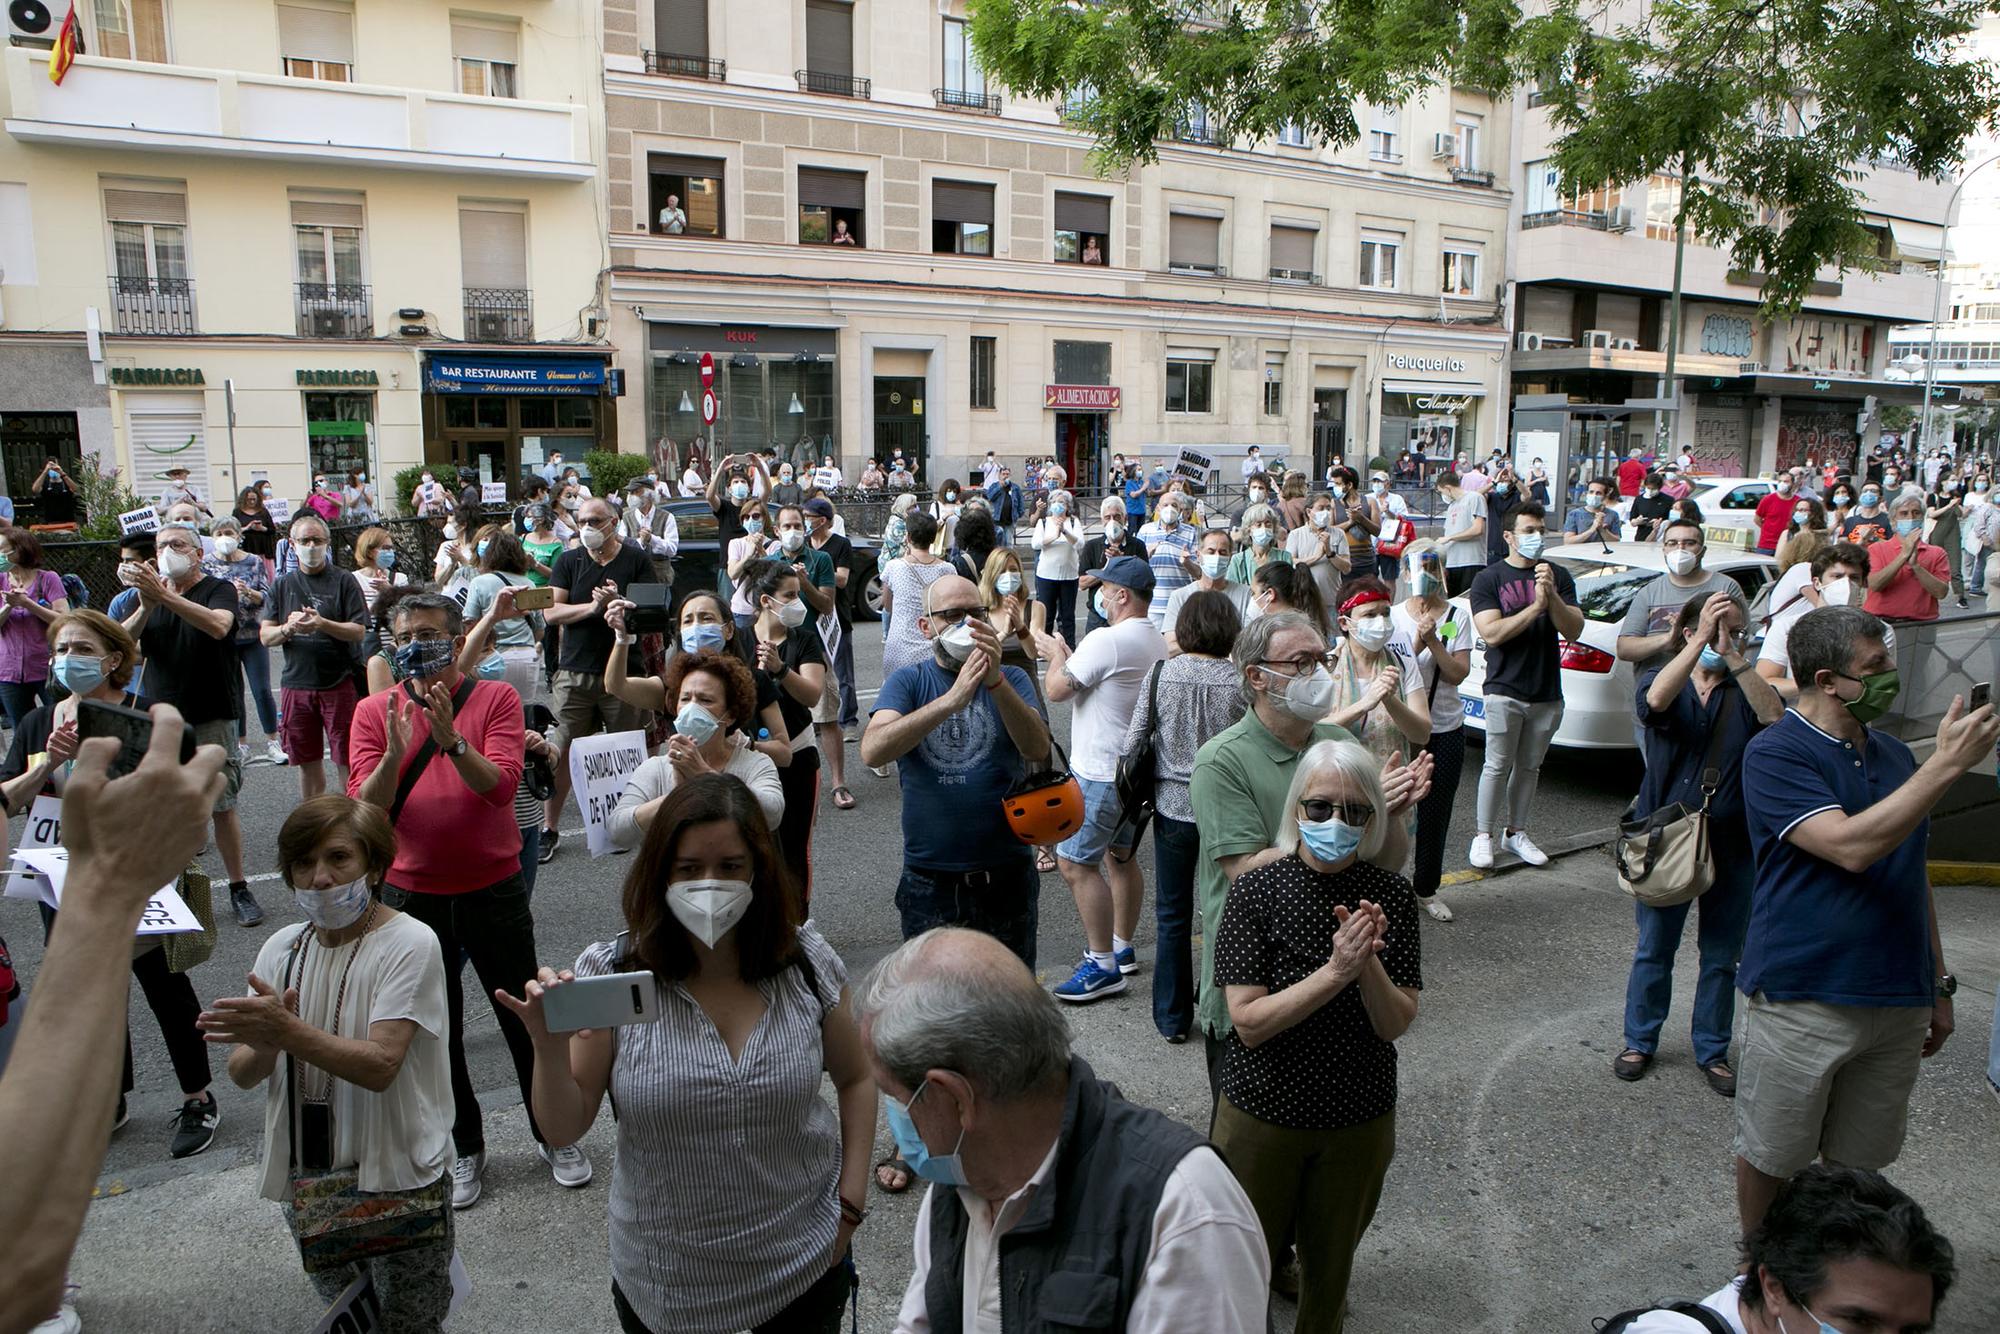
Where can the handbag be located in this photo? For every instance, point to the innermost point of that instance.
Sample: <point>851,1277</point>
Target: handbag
<point>1667,857</point>
<point>333,1220</point>
<point>191,949</point>
<point>1138,777</point>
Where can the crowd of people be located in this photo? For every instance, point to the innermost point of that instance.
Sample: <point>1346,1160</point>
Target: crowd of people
<point>1272,687</point>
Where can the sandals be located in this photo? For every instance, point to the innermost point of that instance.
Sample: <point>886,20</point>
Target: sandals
<point>843,799</point>
<point>1720,1078</point>
<point>1631,1064</point>
<point>895,1166</point>
<point>1045,860</point>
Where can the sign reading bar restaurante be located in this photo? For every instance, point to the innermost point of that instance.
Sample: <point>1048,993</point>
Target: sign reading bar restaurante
<point>1081,397</point>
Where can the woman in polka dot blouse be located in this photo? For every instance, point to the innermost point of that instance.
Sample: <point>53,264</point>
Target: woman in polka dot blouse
<point>1318,957</point>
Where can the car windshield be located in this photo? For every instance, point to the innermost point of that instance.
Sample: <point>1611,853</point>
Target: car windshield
<point>1605,588</point>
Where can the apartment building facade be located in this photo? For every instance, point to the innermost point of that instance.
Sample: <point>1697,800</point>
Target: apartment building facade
<point>1592,278</point>
<point>878,248</point>
<point>309,237</point>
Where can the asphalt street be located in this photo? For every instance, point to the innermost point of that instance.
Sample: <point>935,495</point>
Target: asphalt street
<point>1531,1190</point>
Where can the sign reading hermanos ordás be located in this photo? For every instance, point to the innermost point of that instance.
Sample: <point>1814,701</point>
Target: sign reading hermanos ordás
<point>157,375</point>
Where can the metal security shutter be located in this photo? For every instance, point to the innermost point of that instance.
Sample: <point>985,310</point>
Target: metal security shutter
<point>1292,248</point>
<point>1721,434</point>
<point>830,37</point>
<point>145,206</point>
<point>1083,213</point>
<point>493,248</point>
<point>680,164</point>
<point>961,201</point>
<point>831,189</point>
<point>470,43</point>
<point>314,213</point>
<point>316,34</point>
<point>167,439</point>
<point>681,26</point>
<point>1193,241</point>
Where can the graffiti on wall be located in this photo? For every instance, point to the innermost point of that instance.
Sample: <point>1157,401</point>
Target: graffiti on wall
<point>1841,346</point>
<point>1818,433</point>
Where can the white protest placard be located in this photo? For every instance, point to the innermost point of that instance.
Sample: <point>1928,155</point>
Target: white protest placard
<point>43,830</point>
<point>1194,465</point>
<point>280,512</point>
<point>166,912</point>
<point>492,493</point>
<point>145,519</point>
<point>599,768</point>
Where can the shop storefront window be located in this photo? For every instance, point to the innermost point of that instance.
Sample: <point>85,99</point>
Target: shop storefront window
<point>30,439</point>
<point>1434,425</point>
<point>337,432</point>
<point>785,402</point>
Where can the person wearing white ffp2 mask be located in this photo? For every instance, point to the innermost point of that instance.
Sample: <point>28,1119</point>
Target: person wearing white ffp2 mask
<point>1645,636</point>
<point>1839,579</point>
<point>708,915</point>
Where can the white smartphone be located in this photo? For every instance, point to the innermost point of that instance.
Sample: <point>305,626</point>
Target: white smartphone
<point>602,1002</point>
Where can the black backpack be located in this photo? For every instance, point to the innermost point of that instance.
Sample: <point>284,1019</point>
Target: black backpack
<point>1695,1311</point>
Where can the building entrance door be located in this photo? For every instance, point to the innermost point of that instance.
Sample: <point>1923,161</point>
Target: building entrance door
<point>1083,444</point>
<point>899,420</point>
<point>1329,431</point>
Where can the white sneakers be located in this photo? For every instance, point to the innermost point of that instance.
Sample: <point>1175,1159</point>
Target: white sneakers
<point>567,1165</point>
<point>1435,907</point>
<point>1482,852</point>
<point>465,1184</point>
<point>1517,843</point>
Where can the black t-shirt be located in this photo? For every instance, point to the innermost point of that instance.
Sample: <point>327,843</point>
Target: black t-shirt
<point>1527,667</point>
<point>1330,1069</point>
<point>841,552</point>
<point>586,644</point>
<point>1092,560</point>
<point>31,737</point>
<point>1862,529</point>
<point>1646,511</point>
<point>57,503</point>
<point>729,520</point>
<point>189,668</point>
<point>257,541</point>
<point>801,648</point>
<point>317,661</point>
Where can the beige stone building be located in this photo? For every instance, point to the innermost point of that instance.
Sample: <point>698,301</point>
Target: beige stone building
<point>878,249</point>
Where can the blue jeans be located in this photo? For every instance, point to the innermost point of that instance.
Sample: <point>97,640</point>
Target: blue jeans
<point>531,855</point>
<point>1059,596</point>
<point>257,671</point>
<point>1725,917</point>
<point>18,699</point>
<point>1176,850</point>
<point>843,666</point>
<point>1003,901</point>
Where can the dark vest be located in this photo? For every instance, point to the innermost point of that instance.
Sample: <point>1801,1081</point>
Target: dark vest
<point>1077,1256</point>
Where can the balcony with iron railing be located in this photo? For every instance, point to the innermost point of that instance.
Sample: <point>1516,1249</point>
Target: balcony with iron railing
<point>1596,219</point>
<point>498,315</point>
<point>152,305</point>
<point>831,85</point>
<point>1197,131</point>
<point>335,310</point>
<point>676,65</point>
<point>1295,276</point>
<point>1472,176</point>
<point>959,99</point>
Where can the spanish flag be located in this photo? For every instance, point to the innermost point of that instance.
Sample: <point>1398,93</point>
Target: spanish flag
<point>69,43</point>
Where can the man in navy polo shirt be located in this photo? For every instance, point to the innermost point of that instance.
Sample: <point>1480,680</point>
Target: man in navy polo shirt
<point>1842,965</point>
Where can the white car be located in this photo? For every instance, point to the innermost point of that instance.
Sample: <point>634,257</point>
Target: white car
<point>1728,507</point>
<point>1597,687</point>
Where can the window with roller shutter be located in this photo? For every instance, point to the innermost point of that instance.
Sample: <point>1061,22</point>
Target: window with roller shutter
<point>1292,249</point>
<point>1194,243</point>
<point>493,258</point>
<point>151,288</point>
<point>832,207</point>
<point>1083,228</point>
<point>317,41</point>
<point>488,59</point>
<point>684,195</point>
<point>961,218</point>
<point>332,295</point>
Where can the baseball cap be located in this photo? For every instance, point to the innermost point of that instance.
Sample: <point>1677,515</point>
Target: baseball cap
<point>1128,572</point>
<point>821,506</point>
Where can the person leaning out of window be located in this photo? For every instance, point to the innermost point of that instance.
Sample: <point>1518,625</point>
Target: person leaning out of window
<point>736,1189</point>
<point>1308,1113</point>
<point>345,1025</point>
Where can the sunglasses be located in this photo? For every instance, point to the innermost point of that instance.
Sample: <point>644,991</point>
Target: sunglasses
<point>1350,812</point>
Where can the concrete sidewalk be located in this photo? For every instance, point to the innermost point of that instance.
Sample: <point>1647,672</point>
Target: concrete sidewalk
<point>1531,1191</point>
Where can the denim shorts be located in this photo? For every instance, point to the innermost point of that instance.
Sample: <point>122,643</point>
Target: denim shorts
<point>1102,815</point>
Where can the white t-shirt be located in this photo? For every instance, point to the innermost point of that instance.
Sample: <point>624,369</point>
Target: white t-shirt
<point>1447,710</point>
<point>401,1137</point>
<point>1238,595</point>
<point>1110,665</point>
<point>1777,640</point>
<point>1303,541</point>
<point>1058,543</point>
<point>1458,517</point>
<point>1723,1303</point>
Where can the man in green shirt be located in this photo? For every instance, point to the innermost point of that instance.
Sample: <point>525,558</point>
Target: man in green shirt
<point>1243,774</point>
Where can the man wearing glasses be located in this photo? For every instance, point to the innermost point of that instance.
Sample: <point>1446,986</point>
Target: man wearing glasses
<point>1645,636</point>
<point>965,729</point>
<point>587,579</point>
<point>185,623</point>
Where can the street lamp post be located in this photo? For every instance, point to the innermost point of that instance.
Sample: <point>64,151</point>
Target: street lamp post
<point>1937,297</point>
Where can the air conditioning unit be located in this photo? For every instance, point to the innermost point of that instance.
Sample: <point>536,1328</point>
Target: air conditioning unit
<point>31,23</point>
<point>491,328</point>
<point>1625,344</point>
<point>1528,342</point>
<point>1597,338</point>
<point>1618,220</point>
<point>330,324</point>
<point>1444,145</point>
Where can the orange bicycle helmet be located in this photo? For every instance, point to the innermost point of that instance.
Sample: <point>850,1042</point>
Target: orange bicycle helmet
<point>1045,808</point>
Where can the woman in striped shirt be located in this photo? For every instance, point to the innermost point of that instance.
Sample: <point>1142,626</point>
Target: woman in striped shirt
<point>736,1187</point>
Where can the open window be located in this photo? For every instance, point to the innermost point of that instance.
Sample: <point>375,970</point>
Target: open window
<point>684,195</point>
<point>832,207</point>
<point>961,218</point>
<point>1083,229</point>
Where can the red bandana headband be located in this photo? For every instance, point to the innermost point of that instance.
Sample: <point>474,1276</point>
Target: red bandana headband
<point>1362,599</point>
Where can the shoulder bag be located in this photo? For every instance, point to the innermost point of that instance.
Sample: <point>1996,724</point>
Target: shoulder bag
<point>190,949</point>
<point>1666,857</point>
<point>428,750</point>
<point>1138,780</point>
<point>333,1220</point>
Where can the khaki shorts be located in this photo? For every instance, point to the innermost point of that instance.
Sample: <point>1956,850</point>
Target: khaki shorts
<point>828,708</point>
<point>223,733</point>
<point>1828,1081</point>
<point>583,706</point>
